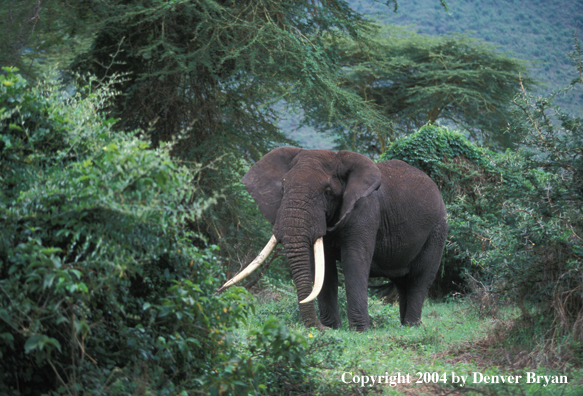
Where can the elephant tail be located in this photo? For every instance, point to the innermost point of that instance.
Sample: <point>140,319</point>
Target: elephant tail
<point>383,290</point>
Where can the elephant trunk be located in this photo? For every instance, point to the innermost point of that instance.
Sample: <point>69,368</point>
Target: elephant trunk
<point>301,259</point>
<point>297,229</point>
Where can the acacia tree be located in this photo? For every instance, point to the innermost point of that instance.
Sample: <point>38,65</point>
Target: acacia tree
<point>417,79</point>
<point>215,69</point>
<point>212,75</point>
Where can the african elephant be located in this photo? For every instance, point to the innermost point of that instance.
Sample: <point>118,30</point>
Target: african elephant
<point>378,220</point>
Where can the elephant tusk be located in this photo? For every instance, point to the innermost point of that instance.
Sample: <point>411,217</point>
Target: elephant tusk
<point>254,264</point>
<point>319,271</point>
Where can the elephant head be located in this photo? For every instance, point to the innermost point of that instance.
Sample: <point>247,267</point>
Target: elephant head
<point>305,194</point>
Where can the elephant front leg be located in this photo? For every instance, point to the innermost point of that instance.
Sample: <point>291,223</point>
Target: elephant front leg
<point>356,269</point>
<point>358,244</point>
<point>307,310</point>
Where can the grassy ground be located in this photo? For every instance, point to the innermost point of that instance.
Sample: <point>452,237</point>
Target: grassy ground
<point>454,341</point>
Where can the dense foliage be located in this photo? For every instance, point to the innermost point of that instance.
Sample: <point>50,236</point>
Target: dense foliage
<point>215,69</point>
<point>101,287</point>
<point>539,234</point>
<point>35,36</point>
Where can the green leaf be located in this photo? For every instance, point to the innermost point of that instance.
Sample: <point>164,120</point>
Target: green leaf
<point>7,336</point>
<point>32,343</point>
<point>48,280</point>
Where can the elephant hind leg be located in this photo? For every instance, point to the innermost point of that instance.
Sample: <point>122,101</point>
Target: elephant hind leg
<point>410,301</point>
<point>328,297</point>
<point>401,285</point>
<point>413,286</point>
<point>411,298</point>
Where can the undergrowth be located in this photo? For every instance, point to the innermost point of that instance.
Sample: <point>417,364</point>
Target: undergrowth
<point>455,337</point>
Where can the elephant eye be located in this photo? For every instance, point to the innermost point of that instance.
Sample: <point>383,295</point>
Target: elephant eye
<point>328,194</point>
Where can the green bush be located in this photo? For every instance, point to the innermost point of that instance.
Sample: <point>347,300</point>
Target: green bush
<point>102,289</point>
<point>537,236</point>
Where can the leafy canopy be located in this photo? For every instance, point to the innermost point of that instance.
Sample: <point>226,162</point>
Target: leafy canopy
<point>416,79</point>
<point>216,69</point>
<point>212,76</point>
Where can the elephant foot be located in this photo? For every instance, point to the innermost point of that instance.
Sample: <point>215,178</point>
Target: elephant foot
<point>315,323</point>
<point>412,324</point>
<point>360,329</point>
<point>318,326</point>
<point>331,325</point>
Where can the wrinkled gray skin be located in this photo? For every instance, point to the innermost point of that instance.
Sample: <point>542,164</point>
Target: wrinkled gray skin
<point>378,220</point>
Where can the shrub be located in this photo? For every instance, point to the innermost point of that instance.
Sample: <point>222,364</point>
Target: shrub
<point>540,229</point>
<point>102,289</point>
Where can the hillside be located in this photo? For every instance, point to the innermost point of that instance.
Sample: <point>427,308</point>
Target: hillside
<point>535,30</point>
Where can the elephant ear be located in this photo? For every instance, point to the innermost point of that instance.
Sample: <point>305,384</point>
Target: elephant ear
<point>263,180</point>
<point>362,177</point>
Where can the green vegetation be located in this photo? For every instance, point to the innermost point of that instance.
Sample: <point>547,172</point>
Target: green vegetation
<point>215,71</point>
<point>417,79</point>
<point>121,209</point>
<point>454,338</point>
<point>102,288</point>
<point>38,36</point>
